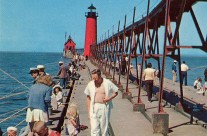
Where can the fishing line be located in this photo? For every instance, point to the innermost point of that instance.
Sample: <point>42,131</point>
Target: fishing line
<point>4,97</point>
<point>16,125</point>
<point>205,66</point>
<point>51,63</point>
<point>13,78</point>
<point>13,90</point>
<point>5,103</point>
<point>20,122</point>
<point>12,115</point>
<point>8,112</point>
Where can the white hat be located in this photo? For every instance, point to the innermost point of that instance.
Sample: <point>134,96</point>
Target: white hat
<point>175,61</point>
<point>33,70</point>
<point>58,87</point>
<point>11,128</point>
<point>40,66</point>
<point>60,62</point>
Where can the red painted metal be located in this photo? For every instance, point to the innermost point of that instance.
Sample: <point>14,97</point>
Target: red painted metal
<point>91,30</point>
<point>130,49</point>
<point>145,37</point>
<point>116,50</point>
<point>122,50</point>
<point>143,52</point>
<point>69,45</point>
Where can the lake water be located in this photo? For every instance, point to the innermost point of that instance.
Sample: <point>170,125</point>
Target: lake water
<point>14,69</point>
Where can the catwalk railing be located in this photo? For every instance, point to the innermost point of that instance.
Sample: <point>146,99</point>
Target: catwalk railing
<point>141,40</point>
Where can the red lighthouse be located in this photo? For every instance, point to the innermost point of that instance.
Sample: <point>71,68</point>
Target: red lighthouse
<point>91,29</point>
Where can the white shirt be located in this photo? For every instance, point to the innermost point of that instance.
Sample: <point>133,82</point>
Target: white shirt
<point>58,96</point>
<point>149,74</point>
<point>109,88</point>
<point>184,67</point>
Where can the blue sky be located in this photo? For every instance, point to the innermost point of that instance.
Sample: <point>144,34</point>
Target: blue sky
<point>40,26</point>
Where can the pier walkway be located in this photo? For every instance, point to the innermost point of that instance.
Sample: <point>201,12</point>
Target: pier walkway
<point>124,121</point>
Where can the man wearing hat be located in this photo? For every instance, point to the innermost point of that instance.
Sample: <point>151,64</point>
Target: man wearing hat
<point>43,77</point>
<point>34,73</point>
<point>62,74</point>
<point>174,71</point>
<point>41,69</point>
<point>11,131</point>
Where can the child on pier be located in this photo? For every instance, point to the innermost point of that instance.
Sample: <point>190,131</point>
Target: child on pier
<point>73,124</point>
<point>199,86</point>
<point>57,94</point>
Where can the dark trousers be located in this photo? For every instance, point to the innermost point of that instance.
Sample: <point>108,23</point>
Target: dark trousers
<point>184,77</point>
<point>149,88</point>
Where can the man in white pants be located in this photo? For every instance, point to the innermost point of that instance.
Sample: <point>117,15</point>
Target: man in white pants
<point>100,92</point>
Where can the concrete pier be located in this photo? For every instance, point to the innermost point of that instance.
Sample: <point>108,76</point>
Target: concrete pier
<point>126,120</point>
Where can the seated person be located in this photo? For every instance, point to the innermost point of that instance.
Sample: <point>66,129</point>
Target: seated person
<point>75,75</point>
<point>195,83</point>
<point>73,124</point>
<point>199,86</point>
<point>57,94</point>
<point>11,131</point>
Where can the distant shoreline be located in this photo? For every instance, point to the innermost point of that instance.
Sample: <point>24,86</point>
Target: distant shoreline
<point>184,55</point>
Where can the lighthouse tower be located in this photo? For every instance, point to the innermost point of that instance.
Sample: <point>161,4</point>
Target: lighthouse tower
<point>91,29</point>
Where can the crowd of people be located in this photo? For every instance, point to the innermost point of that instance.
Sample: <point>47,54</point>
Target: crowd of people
<point>201,88</point>
<point>41,94</point>
<point>99,92</point>
<point>152,77</point>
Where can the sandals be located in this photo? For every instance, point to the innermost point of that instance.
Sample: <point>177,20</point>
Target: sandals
<point>83,127</point>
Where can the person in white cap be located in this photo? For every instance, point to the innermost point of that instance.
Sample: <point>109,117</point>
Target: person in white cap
<point>41,69</point>
<point>34,73</point>
<point>62,74</point>
<point>43,77</point>
<point>11,131</point>
<point>174,71</point>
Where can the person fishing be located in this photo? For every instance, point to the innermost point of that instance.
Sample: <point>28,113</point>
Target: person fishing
<point>184,69</point>
<point>62,74</point>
